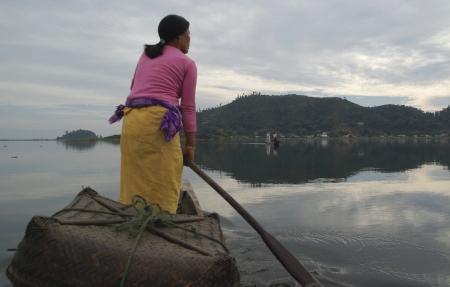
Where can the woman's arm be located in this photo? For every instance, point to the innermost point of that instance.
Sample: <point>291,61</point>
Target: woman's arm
<point>189,147</point>
<point>188,111</point>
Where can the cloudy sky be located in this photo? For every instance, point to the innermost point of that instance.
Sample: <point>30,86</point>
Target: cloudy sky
<point>66,64</point>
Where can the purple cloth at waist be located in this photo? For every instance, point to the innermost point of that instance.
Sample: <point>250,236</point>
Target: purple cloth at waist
<point>171,122</point>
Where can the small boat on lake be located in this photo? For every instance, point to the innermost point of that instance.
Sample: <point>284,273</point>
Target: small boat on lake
<point>90,243</point>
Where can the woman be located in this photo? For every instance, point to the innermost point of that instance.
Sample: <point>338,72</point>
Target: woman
<point>151,155</point>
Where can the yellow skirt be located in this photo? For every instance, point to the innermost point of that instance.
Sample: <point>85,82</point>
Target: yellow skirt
<point>150,166</point>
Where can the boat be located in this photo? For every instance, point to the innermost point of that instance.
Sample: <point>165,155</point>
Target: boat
<point>83,245</point>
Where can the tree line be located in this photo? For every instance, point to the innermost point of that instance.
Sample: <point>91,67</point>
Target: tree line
<point>298,115</point>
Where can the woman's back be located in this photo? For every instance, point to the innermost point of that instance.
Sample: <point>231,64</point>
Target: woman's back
<point>163,77</point>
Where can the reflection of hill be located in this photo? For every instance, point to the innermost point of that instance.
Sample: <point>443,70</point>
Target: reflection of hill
<point>88,144</point>
<point>114,142</point>
<point>305,162</point>
<point>79,145</point>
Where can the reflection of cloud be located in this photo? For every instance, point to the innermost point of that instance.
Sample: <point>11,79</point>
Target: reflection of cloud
<point>392,224</point>
<point>48,170</point>
<point>383,201</point>
<point>420,218</point>
<point>444,237</point>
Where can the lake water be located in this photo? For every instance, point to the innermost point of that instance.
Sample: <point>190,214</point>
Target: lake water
<point>357,214</point>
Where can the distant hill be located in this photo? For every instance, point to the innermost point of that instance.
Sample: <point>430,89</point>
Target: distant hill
<point>296,115</point>
<point>78,135</point>
<point>112,138</point>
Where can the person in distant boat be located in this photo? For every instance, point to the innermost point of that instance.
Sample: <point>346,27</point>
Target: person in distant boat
<point>276,142</point>
<point>161,102</point>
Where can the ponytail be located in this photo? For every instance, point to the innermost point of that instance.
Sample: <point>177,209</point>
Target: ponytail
<point>153,51</point>
<point>169,28</point>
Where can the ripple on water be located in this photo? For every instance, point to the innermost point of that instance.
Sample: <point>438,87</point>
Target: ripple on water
<point>349,258</point>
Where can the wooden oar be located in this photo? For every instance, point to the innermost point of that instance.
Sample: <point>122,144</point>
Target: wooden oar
<point>292,265</point>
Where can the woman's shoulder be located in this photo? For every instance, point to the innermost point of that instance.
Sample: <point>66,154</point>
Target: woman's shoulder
<point>185,59</point>
<point>185,62</point>
<point>177,55</point>
<point>190,62</point>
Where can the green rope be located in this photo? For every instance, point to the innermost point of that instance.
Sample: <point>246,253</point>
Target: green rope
<point>150,216</point>
<point>144,211</point>
<point>130,257</point>
<point>147,216</point>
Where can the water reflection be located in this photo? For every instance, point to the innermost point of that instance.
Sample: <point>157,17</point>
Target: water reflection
<point>385,230</point>
<point>78,145</point>
<point>85,145</point>
<point>330,160</point>
<point>384,223</point>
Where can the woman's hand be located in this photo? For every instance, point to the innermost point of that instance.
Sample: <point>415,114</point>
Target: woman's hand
<point>188,154</point>
<point>189,148</point>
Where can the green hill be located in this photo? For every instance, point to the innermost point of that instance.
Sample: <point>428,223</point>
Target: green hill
<point>296,115</point>
<point>78,135</point>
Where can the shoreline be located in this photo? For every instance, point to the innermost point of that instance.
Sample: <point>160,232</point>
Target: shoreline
<point>262,140</point>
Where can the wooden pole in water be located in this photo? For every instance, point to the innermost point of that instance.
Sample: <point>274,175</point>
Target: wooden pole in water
<point>290,263</point>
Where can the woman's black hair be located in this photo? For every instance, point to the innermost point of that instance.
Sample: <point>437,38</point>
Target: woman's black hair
<point>153,51</point>
<point>169,28</point>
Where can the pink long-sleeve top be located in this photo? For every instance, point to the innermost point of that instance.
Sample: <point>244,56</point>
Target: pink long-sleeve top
<point>171,77</point>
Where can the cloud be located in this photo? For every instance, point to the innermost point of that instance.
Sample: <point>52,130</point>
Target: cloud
<point>85,52</point>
